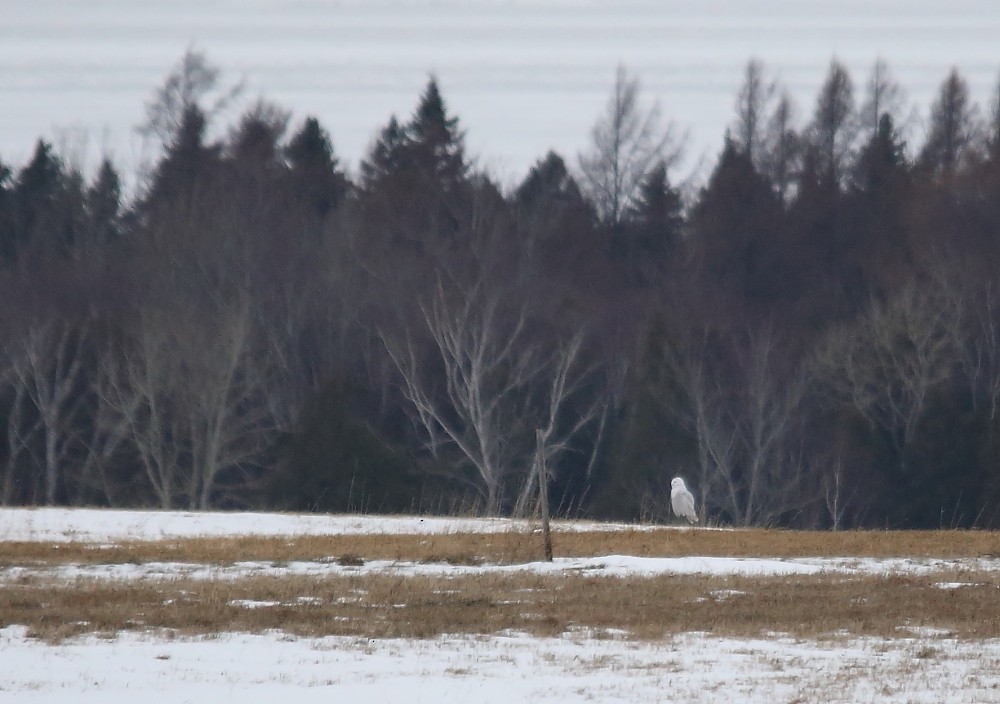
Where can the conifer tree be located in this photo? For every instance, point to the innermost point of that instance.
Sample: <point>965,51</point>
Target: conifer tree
<point>436,144</point>
<point>735,226</point>
<point>103,204</point>
<point>36,196</point>
<point>649,236</point>
<point>315,169</point>
<point>882,161</point>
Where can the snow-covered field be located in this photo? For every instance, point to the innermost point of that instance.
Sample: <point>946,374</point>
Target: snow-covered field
<point>525,76</point>
<point>924,665</point>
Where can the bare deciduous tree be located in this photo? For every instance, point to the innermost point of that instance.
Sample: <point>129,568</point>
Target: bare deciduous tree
<point>954,130</point>
<point>191,393</point>
<point>887,364</point>
<point>566,376</point>
<point>782,146</point>
<point>471,392</point>
<point>883,96</point>
<point>50,369</point>
<point>744,415</point>
<point>191,81</point>
<point>628,142</point>
<point>752,109</point>
<point>831,134</point>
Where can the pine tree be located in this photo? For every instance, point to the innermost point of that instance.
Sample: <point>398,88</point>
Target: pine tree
<point>735,229</point>
<point>385,156</point>
<point>8,232</point>
<point>436,144</point>
<point>549,187</point>
<point>187,166</point>
<point>315,169</point>
<point>256,141</point>
<point>649,236</point>
<point>103,204</point>
<point>36,196</point>
<point>882,161</point>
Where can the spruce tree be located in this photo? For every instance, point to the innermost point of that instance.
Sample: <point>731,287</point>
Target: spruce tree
<point>316,175</point>
<point>646,239</point>
<point>36,196</point>
<point>436,144</point>
<point>103,204</point>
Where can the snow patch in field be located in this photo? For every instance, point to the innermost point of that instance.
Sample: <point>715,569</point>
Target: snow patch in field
<point>110,526</point>
<point>497,669</point>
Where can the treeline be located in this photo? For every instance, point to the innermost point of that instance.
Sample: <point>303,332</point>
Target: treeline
<point>811,336</point>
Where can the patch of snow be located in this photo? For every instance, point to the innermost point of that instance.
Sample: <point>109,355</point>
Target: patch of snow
<point>513,667</point>
<point>110,526</point>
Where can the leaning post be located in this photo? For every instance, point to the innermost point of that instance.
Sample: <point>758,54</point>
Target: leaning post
<point>543,493</point>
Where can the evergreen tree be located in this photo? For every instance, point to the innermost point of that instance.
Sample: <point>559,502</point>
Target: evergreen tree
<point>36,196</point>
<point>878,202</point>
<point>735,226</point>
<point>187,166</point>
<point>103,204</point>
<point>385,156</point>
<point>256,141</point>
<point>549,192</point>
<point>652,231</point>
<point>315,169</point>
<point>882,162</point>
<point>8,216</point>
<point>436,144</point>
<point>415,182</point>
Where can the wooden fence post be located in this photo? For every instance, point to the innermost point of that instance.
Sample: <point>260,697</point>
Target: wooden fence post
<point>543,493</point>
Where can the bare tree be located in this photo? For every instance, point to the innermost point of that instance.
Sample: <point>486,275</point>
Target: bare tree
<point>993,133</point>
<point>782,146</point>
<point>831,134</point>
<point>470,392</point>
<point>752,109</point>
<point>954,129</point>
<point>51,364</point>
<point>561,383</point>
<point>23,424</point>
<point>190,391</point>
<point>627,144</point>
<point>744,413</point>
<point>190,82</point>
<point>883,96</point>
<point>887,365</point>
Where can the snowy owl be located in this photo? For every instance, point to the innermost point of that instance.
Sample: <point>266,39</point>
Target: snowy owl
<point>682,501</point>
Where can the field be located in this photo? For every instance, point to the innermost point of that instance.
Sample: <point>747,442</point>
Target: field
<point>410,609</point>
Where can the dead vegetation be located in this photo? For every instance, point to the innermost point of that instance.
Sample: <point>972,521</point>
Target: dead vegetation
<point>385,605</point>
<point>516,546</point>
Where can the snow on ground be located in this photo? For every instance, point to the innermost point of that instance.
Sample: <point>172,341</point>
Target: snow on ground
<point>503,668</point>
<point>579,666</point>
<point>103,526</point>
<point>610,566</point>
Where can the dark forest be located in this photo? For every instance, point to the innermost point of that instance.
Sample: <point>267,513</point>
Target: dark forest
<point>809,334</point>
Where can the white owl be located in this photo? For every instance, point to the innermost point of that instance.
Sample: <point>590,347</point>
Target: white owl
<point>682,501</point>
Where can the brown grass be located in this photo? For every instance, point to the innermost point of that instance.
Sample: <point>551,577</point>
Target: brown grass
<point>517,546</point>
<point>382,605</point>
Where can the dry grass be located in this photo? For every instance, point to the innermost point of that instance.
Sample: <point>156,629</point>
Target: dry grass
<point>381,605</point>
<point>388,606</point>
<point>517,546</point>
